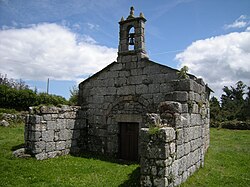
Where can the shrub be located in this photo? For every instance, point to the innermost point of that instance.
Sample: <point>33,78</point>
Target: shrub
<point>12,98</point>
<point>8,111</point>
<point>45,99</point>
<point>231,124</point>
<point>235,124</point>
<point>153,130</point>
<point>183,73</point>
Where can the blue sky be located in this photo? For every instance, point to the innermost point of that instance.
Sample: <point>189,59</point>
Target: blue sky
<point>67,41</point>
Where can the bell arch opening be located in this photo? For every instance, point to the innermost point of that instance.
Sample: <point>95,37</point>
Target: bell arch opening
<point>131,38</point>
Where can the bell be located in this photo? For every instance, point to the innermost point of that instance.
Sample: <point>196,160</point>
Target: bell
<point>131,39</point>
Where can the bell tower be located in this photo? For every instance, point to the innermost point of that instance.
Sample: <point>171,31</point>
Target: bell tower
<point>132,38</point>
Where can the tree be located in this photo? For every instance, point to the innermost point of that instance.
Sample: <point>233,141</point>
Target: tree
<point>16,84</point>
<point>232,101</point>
<point>16,99</point>
<point>246,107</point>
<point>16,94</point>
<point>215,109</point>
<point>234,110</point>
<point>73,100</point>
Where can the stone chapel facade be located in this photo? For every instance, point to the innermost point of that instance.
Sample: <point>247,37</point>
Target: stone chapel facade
<point>118,98</point>
<point>117,107</point>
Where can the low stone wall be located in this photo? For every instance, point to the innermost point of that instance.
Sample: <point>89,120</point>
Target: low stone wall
<point>7,119</point>
<point>52,131</point>
<point>176,150</point>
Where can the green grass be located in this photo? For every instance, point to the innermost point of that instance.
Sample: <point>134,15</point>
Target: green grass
<point>61,171</point>
<point>227,163</point>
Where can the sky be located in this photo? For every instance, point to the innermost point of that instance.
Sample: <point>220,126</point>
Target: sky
<point>66,41</point>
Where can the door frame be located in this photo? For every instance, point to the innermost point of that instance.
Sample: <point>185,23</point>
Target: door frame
<point>114,131</point>
<point>127,141</point>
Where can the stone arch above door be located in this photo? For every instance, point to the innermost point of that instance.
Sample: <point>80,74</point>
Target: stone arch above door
<point>125,110</point>
<point>127,99</point>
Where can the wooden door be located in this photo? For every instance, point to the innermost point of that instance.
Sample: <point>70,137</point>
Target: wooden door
<point>129,141</point>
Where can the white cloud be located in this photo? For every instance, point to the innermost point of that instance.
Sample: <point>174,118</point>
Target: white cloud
<point>220,61</point>
<point>51,51</point>
<point>87,39</point>
<point>92,26</point>
<point>240,22</point>
<point>76,26</point>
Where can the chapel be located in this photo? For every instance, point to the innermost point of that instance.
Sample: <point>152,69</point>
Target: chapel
<point>134,110</point>
<point>118,98</point>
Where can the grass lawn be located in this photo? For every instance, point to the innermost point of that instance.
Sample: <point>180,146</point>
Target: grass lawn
<point>61,171</point>
<point>227,164</point>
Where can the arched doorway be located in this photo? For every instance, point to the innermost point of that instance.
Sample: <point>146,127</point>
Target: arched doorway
<point>124,119</point>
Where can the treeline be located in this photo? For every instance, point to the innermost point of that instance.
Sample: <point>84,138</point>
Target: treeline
<point>17,95</point>
<point>23,99</point>
<point>233,109</point>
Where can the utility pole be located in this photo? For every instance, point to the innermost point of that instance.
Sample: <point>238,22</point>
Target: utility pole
<point>48,86</point>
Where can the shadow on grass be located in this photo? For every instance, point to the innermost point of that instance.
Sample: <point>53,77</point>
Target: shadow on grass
<point>14,148</point>
<point>105,158</point>
<point>134,179</point>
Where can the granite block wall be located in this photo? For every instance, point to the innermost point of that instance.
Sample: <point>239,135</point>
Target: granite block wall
<point>127,92</point>
<point>177,149</point>
<point>133,88</point>
<point>52,131</point>
<point>159,152</point>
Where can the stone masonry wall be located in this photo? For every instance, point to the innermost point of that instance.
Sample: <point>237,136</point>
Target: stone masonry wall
<point>138,85</point>
<point>176,150</point>
<point>52,131</point>
<point>159,152</point>
<point>129,91</point>
<point>195,113</point>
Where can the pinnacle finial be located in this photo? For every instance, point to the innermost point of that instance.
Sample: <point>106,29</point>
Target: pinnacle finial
<point>122,19</point>
<point>132,10</point>
<point>142,15</point>
<point>131,14</point>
